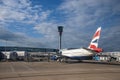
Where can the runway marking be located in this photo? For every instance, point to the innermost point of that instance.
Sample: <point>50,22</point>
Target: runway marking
<point>22,75</point>
<point>27,66</point>
<point>11,66</point>
<point>23,70</point>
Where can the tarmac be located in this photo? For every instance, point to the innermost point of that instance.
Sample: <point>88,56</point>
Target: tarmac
<point>87,70</point>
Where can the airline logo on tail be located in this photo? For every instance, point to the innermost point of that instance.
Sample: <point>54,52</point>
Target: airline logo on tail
<point>94,43</point>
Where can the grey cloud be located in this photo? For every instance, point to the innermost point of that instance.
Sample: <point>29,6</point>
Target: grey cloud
<point>18,39</point>
<point>86,13</point>
<point>110,39</point>
<point>22,11</point>
<point>7,35</point>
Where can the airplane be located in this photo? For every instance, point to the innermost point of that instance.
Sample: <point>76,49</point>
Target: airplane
<point>82,53</point>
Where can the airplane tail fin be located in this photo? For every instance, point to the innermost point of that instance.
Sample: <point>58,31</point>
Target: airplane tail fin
<point>94,43</point>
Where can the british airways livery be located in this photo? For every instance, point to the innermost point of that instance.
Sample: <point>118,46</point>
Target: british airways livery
<point>94,43</point>
<point>83,53</point>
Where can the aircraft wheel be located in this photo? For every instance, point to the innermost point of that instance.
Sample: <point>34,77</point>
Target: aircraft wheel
<point>64,59</point>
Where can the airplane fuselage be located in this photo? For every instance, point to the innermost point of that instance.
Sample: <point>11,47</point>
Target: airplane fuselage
<point>78,54</point>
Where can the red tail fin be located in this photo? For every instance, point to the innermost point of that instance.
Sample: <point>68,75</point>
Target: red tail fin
<point>94,43</point>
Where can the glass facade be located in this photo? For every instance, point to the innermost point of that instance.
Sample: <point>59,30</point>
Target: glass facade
<point>28,49</point>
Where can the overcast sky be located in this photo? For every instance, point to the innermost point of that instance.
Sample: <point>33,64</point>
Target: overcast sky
<point>33,23</point>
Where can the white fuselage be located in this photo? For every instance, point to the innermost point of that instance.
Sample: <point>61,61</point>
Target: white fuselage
<point>77,53</point>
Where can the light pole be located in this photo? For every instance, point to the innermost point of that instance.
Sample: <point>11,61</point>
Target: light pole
<point>5,46</point>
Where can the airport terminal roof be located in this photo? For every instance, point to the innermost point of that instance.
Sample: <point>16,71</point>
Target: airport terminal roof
<point>28,49</point>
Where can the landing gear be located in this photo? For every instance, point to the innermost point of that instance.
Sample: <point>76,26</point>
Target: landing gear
<point>112,59</point>
<point>63,59</point>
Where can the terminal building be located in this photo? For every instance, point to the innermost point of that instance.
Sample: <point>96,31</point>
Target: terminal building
<point>28,49</point>
<point>26,53</point>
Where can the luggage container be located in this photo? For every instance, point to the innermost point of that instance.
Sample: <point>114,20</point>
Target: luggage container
<point>1,56</point>
<point>13,56</point>
<point>21,54</point>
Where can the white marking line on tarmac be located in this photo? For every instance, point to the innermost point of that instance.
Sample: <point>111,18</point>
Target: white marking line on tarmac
<point>26,66</point>
<point>11,66</point>
<point>108,69</point>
